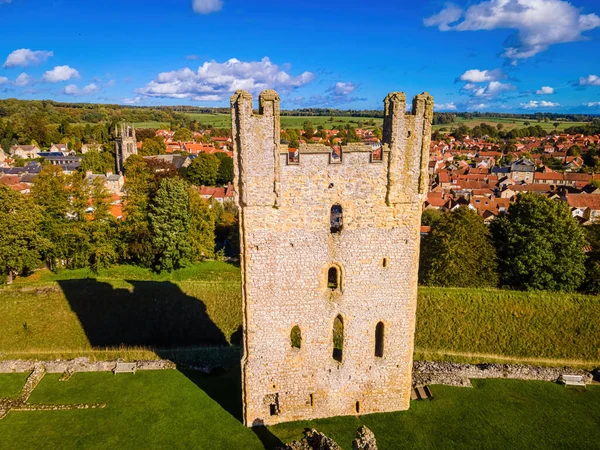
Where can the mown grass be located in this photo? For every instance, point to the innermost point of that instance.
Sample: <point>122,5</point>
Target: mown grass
<point>509,323</point>
<point>508,123</point>
<point>171,409</point>
<point>196,313</point>
<point>11,384</point>
<point>224,121</point>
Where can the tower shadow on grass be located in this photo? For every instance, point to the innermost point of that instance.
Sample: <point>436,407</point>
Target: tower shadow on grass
<point>154,315</point>
<point>160,316</point>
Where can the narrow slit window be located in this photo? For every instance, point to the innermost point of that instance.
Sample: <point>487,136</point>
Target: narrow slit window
<point>379,339</point>
<point>311,399</point>
<point>384,263</point>
<point>357,407</point>
<point>296,337</point>
<point>338,338</point>
<point>336,218</point>
<point>273,409</point>
<point>333,278</point>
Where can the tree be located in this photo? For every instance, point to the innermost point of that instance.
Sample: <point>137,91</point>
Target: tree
<point>203,170</point>
<point>458,252</point>
<point>153,146</point>
<point>539,245</point>
<point>225,173</point>
<point>591,285</point>
<point>182,135</point>
<point>574,150</point>
<point>500,126</point>
<point>309,130</point>
<point>101,229</point>
<point>202,227</point>
<point>169,219</point>
<point>21,246</point>
<point>98,162</point>
<point>526,123</point>
<point>556,124</point>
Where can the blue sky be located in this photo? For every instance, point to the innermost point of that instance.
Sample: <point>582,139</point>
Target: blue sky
<point>475,55</point>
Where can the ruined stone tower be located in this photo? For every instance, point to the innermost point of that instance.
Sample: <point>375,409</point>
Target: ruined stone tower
<point>125,144</point>
<point>329,258</point>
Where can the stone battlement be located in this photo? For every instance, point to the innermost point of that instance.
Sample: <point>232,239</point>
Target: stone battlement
<point>329,263</point>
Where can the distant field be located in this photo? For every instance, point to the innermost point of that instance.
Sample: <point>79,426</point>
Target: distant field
<point>224,121</point>
<point>132,313</point>
<point>509,124</point>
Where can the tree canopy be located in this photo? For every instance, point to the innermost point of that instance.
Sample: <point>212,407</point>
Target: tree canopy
<point>539,245</point>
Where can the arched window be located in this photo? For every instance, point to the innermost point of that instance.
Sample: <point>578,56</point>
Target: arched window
<point>338,338</point>
<point>333,278</point>
<point>336,218</point>
<point>379,339</point>
<point>296,337</point>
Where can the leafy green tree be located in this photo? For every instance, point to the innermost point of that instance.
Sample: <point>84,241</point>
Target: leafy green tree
<point>202,227</point>
<point>225,173</point>
<point>431,216</point>
<point>539,245</point>
<point>101,229</point>
<point>182,135</point>
<point>153,146</point>
<point>204,170</point>
<point>135,235</point>
<point>21,246</point>
<point>170,219</point>
<point>458,252</point>
<point>98,162</point>
<point>309,130</point>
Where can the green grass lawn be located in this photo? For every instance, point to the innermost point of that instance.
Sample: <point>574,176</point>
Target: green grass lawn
<point>224,121</point>
<point>171,409</point>
<point>133,313</point>
<point>508,123</point>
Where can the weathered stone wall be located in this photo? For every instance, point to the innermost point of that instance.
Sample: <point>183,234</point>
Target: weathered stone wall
<point>287,249</point>
<point>454,374</point>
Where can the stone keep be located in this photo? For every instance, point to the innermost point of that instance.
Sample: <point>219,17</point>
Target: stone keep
<point>329,251</point>
<point>125,144</point>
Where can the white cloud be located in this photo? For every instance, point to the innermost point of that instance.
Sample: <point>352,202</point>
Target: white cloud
<point>534,104</point>
<point>207,6</point>
<point>492,89</point>
<point>3,80</point>
<point>72,89</point>
<point>60,73</point>
<point>538,23</point>
<point>214,81</point>
<point>23,80</point>
<point>24,57</point>
<point>477,106</point>
<point>445,107</point>
<point>482,76</point>
<point>450,14</point>
<point>590,80</point>
<point>545,90</point>
<point>592,104</point>
<point>131,101</point>
<point>344,88</point>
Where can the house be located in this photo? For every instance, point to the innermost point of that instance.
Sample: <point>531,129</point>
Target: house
<point>68,164</point>
<point>585,206</point>
<point>25,151</point>
<point>91,147</point>
<point>113,182</point>
<point>60,148</point>
<point>220,194</point>
<point>522,170</point>
<point>178,161</point>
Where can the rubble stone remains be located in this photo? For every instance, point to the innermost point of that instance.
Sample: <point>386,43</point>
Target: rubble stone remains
<point>329,263</point>
<point>20,403</point>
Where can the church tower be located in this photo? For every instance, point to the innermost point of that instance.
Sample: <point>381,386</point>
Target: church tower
<point>329,263</point>
<point>125,144</point>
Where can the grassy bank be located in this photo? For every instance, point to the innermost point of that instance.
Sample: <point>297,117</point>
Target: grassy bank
<point>171,409</point>
<point>192,313</point>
